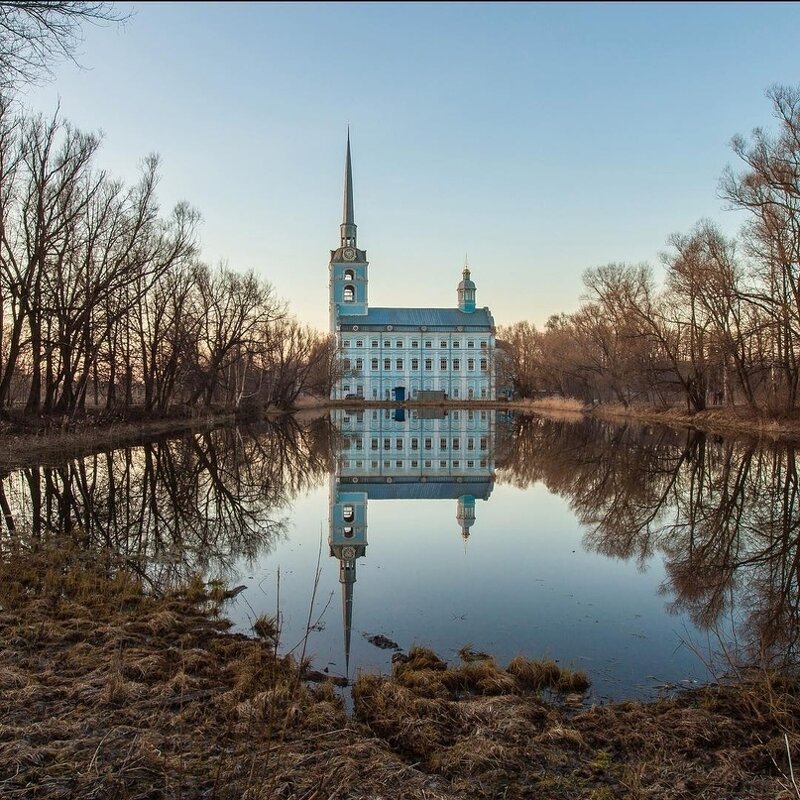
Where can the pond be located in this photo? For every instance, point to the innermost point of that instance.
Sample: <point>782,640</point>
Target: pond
<point>650,558</point>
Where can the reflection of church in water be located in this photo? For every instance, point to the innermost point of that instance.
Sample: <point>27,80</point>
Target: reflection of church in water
<point>425,454</point>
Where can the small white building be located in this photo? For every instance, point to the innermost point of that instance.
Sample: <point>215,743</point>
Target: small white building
<point>394,353</point>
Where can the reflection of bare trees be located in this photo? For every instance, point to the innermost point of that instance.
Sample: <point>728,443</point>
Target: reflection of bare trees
<point>172,507</point>
<point>723,513</point>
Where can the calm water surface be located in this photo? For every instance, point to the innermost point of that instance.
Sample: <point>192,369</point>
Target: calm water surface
<point>632,553</point>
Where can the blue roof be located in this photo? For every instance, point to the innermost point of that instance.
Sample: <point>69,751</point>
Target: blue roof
<point>417,317</point>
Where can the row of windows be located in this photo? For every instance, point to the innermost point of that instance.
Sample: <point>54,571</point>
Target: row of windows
<point>414,464</point>
<point>455,414</point>
<point>387,392</point>
<point>427,344</point>
<point>427,442</point>
<point>399,364</point>
<point>399,444</point>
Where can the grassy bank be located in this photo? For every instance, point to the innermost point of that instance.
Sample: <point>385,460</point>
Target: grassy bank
<point>721,420</point>
<point>110,692</point>
<point>28,440</point>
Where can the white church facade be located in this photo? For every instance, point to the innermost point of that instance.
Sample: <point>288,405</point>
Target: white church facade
<point>395,353</point>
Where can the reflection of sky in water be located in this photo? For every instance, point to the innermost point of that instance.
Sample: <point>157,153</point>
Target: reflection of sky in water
<point>523,584</point>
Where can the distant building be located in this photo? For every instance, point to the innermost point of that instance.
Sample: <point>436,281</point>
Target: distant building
<point>394,353</point>
<point>389,455</point>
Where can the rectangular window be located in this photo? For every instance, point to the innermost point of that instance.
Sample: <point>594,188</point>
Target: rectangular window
<point>429,364</point>
<point>456,363</point>
<point>428,343</point>
<point>484,344</point>
<point>399,363</point>
<point>346,343</point>
<point>470,443</point>
<point>470,343</point>
<point>471,364</point>
<point>415,443</point>
<point>484,364</point>
<point>456,463</point>
<point>456,343</point>
<point>483,463</point>
<point>443,465</point>
<point>387,443</point>
<point>414,462</point>
<point>398,445</point>
<point>373,444</point>
<point>456,414</point>
<point>429,444</point>
<point>470,464</point>
<point>375,464</point>
<point>387,464</point>
<point>374,363</point>
<point>398,464</point>
<point>359,342</point>
<point>443,344</point>
<point>484,443</point>
<point>398,343</point>
<point>359,363</point>
<point>387,363</point>
<point>415,343</point>
<point>443,444</point>
<point>443,363</point>
<point>359,443</point>
<point>374,343</point>
<point>427,464</point>
<point>456,444</point>
<point>456,392</point>
<point>414,363</point>
<point>347,363</point>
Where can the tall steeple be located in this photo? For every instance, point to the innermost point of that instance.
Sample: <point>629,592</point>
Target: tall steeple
<point>347,577</point>
<point>348,227</point>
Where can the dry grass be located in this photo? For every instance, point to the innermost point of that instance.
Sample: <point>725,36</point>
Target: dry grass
<point>551,403</point>
<point>488,731</point>
<point>723,420</point>
<point>109,692</point>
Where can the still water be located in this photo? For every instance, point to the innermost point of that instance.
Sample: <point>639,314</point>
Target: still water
<point>647,557</point>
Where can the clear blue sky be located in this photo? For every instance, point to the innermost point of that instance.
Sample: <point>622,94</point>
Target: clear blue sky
<point>542,139</point>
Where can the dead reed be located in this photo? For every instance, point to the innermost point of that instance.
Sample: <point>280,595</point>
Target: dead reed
<point>109,691</point>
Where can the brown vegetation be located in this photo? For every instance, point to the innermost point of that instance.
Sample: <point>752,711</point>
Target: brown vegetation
<point>723,328</point>
<point>111,692</point>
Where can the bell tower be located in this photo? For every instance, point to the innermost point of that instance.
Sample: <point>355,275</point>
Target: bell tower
<point>466,292</point>
<point>347,285</point>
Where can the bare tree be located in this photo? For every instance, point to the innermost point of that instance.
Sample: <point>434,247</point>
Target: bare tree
<point>37,34</point>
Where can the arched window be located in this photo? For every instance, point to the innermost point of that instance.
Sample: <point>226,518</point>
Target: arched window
<point>348,275</point>
<point>348,533</point>
<point>348,513</point>
<point>349,294</point>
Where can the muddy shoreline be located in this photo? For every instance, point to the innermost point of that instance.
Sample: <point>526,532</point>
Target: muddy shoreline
<point>112,690</point>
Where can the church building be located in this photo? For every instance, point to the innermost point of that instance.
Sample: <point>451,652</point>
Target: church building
<point>396,353</point>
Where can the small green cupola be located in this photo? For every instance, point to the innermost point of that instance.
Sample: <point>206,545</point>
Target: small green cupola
<point>466,293</point>
<point>465,514</point>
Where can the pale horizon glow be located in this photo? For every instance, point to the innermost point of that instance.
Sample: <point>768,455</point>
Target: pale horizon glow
<point>542,139</point>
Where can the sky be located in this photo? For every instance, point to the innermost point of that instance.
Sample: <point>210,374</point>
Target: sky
<point>538,139</point>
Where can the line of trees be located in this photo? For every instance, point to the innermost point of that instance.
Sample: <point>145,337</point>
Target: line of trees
<point>104,301</point>
<point>725,326</point>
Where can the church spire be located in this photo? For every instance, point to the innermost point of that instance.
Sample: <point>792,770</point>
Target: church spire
<point>348,226</point>
<point>347,577</point>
